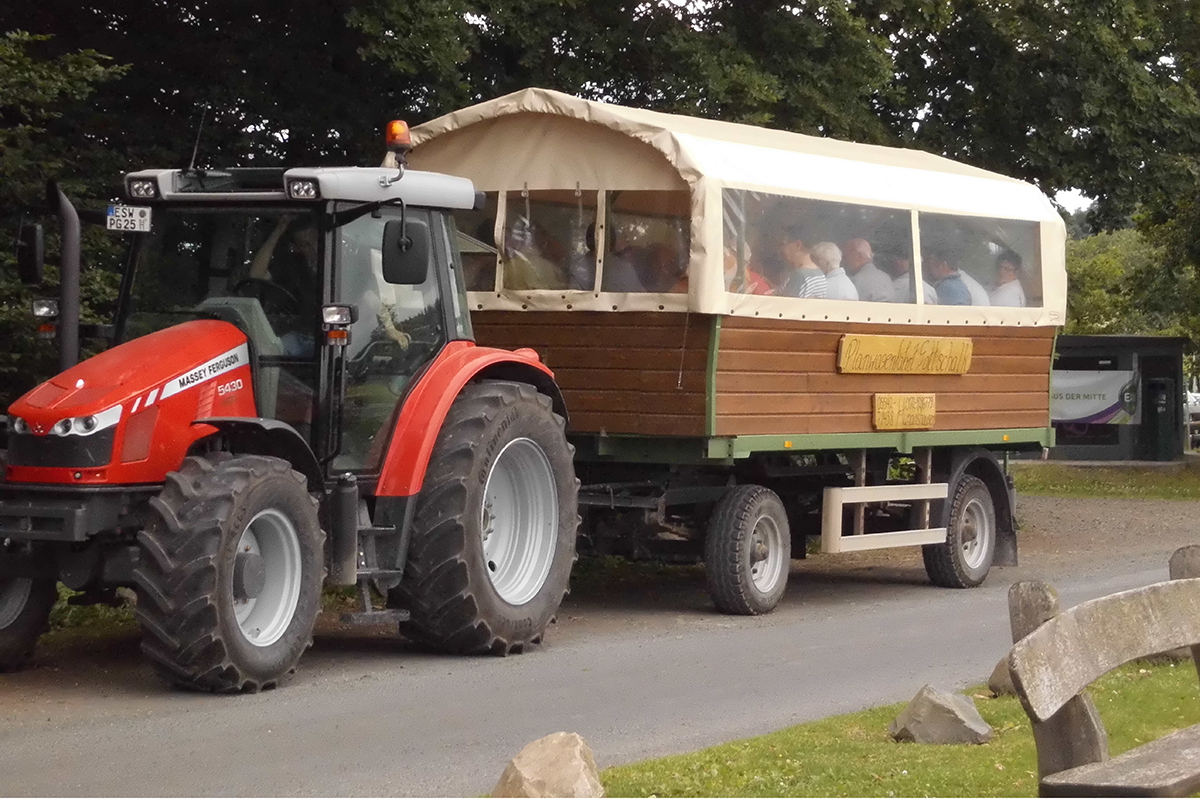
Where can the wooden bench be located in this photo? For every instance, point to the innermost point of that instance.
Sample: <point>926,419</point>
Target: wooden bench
<point>1057,655</point>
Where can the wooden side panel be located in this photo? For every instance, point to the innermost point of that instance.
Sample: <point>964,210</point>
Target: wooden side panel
<point>640,373</point>
<point>780,377</point>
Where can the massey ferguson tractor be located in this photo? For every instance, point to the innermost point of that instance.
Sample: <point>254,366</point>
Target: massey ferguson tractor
<point>292,399</point>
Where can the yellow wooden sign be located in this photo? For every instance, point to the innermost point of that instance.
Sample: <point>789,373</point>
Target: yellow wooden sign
<point>904,355</point>
<point>904,412</point>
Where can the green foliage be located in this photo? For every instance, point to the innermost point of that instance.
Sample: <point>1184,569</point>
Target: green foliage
<point>852,755</point>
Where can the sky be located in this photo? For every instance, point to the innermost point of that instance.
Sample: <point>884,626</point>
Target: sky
<point>1072,200</point>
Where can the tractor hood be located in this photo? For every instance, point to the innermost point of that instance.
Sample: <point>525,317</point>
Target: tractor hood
<point>113,411</point>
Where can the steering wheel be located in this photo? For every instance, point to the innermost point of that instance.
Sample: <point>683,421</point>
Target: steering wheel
<point>267,283</point>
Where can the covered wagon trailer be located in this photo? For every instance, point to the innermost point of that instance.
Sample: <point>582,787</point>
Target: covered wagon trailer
<point>763,336</point>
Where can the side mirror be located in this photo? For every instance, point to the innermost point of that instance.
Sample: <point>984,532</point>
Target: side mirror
<point>406,248</point>
<point>31,254</point>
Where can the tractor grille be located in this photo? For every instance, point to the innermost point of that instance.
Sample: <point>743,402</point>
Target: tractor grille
<point>27,450</point>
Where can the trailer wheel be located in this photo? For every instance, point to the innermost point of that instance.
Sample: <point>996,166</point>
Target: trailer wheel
<point>25,605</point>
<point>964,559</point>
<point>229,580</point>
<point>747,551</point>
<point>493,535</point>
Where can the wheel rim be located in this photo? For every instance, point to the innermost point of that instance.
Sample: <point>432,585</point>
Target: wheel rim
<point>14,594</point>
<point>263,619</point>
<point>766,555</point>
<point>976,533</point>
<point>519,521</point>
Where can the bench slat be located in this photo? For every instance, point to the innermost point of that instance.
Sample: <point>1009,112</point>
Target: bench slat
<point>1064,655</point>
<point>1166,767</point>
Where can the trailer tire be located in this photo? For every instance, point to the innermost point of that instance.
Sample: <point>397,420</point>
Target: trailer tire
<point>229,579</point>
<point>964,559</point>
<point>493,532</point>
<point>25,605</point>
<point>747,551</point>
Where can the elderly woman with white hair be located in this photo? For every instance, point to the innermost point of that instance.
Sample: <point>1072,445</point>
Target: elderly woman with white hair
<point>828,257</point>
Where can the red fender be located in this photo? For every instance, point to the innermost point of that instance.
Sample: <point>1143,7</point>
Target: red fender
<point>429,402</point>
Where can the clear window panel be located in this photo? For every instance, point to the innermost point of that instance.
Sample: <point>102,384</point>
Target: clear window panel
<point>648,243</point>
<point>982,261</point>
<point>817,249</point>
<point>549,240</point>
<point>477,245</point>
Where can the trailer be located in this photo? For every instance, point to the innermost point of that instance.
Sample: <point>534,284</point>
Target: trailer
<point>731,400</point>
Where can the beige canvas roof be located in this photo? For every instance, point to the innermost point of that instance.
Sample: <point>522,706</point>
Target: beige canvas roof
<point>541,139</point>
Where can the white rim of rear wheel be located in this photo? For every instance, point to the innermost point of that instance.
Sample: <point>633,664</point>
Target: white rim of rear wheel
<point>976,534</point>
<point>519,521</point>
<point>14,595</point>
<point>767,564</point>
<point>265,618</point>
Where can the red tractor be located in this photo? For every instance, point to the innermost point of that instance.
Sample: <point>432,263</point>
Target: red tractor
<point>293,398</point>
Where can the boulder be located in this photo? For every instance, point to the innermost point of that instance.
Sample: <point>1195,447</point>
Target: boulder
<point>558,765</point>
<point>1001,681</point>
<point>936,717</point>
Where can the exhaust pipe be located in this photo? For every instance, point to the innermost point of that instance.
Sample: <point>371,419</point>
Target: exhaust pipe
<point>68,279</point>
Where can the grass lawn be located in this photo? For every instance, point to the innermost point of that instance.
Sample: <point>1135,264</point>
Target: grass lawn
<point>852,755</point>
<point>1056,480</point>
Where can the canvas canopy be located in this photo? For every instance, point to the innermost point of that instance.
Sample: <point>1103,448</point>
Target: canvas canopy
<point>720,218</point>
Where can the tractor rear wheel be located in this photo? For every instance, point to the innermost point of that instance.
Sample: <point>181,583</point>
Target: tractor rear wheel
<point>25,605</point>
<point>229,582</point>
<point>493,536</point>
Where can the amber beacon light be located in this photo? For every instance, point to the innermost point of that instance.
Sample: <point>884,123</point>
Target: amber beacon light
<point>399,140</point>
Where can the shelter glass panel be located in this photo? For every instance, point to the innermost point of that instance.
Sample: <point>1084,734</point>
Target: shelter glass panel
<point>982,261</point>
<point>546,240</point>
<point>477,245</point>
<point>649,241</point>
<point>817,249</point>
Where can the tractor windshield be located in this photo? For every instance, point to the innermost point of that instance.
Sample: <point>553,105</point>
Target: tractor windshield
<point>257,268</point>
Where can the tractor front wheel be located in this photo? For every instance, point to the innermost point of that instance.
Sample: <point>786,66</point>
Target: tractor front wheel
<point>25,605</point>
<point>229,582</point>
<point>493,537</point>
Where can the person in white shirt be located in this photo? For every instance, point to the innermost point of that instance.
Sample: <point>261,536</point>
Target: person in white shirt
<point>979,295</point>
<point>900,267</point>
<point>870,281</point>
<point>828,258</point>
<point>1008,291</point>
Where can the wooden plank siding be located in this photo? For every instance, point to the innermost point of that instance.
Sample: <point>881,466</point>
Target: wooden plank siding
<point>780,377</point>
<point>619,373</point>
<point>637,373</point>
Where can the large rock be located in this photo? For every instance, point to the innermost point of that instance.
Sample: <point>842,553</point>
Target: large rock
<point>1001,682</point>
<point>558,765</point>
<point>935,717</point>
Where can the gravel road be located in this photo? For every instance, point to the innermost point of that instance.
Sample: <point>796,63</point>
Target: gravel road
<point>641,668</point>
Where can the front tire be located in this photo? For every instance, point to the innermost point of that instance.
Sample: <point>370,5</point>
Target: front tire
<point>25,605</point>
<point>493,535</point>
<point>229,582</point>
<point>965,558</point>
<point>748,551</point>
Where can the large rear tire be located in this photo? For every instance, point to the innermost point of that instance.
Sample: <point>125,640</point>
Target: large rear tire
<point>229,581</point>
<point>493,536</point>
<point>964,559</point>
<point>25,605</point>
<point>748,551</point>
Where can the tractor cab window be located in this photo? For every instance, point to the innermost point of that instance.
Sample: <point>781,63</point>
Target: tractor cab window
<point>258,269</point>
<point>400,328</point>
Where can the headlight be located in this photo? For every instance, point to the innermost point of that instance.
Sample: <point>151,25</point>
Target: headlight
<point>302,190</point>
<point>46,309</point>
<point>62,427</point>
<point>18,425</point>
<point>86,425</point>
<point>143,189</point>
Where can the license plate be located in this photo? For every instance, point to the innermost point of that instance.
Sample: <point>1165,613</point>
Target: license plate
<point>128,218</point>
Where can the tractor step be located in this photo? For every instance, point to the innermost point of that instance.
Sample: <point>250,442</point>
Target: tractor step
<point>385,616</point>
<point>380,574</point>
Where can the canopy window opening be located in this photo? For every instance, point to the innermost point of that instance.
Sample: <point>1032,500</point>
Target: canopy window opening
<point>982,261</point>
<point>817,249</point>
<point>648,244</point>
<point>550,241</point>
<point>477,244</point>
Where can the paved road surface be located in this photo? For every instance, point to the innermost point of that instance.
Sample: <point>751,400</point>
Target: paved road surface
<point>641,670</point>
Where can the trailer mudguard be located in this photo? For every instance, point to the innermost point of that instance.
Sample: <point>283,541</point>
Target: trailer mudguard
<point>428,402</point>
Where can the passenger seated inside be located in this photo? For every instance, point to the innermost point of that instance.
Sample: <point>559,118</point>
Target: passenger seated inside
<point>284,279</point>
<point>733,281</point>
<point>664,270</point>
<point>805,278</point>
<point>899,266</point>
<point>828,258</point>
<point>621,273</point>
<point>942,267</point>
<point>979,295</point>
<point>1008,290</point>
<point>526,266</point>
<point>870,281</point>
